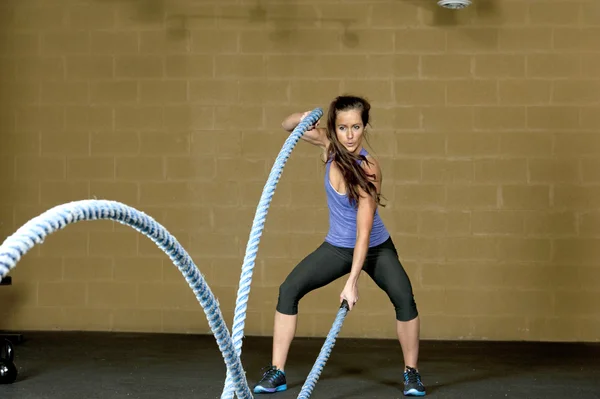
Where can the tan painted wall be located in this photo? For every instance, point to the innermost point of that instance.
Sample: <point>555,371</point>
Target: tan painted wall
<point>486,126</point>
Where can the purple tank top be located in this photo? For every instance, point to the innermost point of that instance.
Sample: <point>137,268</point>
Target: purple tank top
<point>342,218</point>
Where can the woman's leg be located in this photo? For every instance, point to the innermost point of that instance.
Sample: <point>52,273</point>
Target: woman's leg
<point>323,266</point>
<point>284,330</point>
<point>385,269</point>
<point>326,264</point>
<point>408,334</point>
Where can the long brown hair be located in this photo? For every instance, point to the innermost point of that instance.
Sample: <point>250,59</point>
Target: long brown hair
<point>354,175</point>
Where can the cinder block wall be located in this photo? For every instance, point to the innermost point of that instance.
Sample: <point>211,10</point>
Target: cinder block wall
<point>485,121</point>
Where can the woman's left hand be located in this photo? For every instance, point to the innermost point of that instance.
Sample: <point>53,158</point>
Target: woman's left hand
<point>304,115</point>
<point>350,294</point>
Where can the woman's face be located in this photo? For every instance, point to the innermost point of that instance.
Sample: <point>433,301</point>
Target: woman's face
<point>349,129</point>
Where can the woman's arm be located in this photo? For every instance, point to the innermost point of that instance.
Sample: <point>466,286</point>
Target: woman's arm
<point>314,135</point>
<point>290,122</point>
<point>364,224</point>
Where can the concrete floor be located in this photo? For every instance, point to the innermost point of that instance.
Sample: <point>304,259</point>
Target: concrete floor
<point>101,365</point>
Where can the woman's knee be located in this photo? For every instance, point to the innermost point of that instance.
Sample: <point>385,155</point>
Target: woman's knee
<point>289,296</point>
<point>405,306</point>
<point>402,297</point>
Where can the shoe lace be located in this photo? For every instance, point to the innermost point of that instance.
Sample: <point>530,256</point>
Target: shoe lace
<point>412,376</point>
<point>270,373</point>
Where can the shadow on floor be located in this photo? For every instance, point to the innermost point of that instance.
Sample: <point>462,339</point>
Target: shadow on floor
<point>108,365</point>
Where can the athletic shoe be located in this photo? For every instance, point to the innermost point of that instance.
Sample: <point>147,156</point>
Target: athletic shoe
<point>412,383</point>
<point>273,380</point>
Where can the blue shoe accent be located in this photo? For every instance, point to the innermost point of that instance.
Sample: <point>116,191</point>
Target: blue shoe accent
<point>261,389</point>
<point>273,380</point>
<point>412,383</point>
<point>414,392</point>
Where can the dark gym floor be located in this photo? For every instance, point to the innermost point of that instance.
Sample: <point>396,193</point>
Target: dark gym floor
<point>109,365</point>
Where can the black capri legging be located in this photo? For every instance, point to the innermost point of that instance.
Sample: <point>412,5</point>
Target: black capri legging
<point>328,263</point>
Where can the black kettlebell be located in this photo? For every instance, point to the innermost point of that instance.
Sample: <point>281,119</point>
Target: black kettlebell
<point>6,351</point>
<point>8,370</point>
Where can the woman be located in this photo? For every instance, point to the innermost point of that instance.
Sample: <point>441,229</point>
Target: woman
<point>357,240</point>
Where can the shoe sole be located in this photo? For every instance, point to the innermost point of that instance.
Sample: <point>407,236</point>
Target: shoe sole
<point>260,389</point>
<point>414,392</point>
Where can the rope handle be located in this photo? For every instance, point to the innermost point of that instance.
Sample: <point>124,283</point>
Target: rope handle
<point>345,305</point>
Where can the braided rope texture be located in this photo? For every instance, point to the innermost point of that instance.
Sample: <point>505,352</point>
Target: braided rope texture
<point>243,294</point>
<point>315,372</point>
<point>57,218</point>
<point>37,229</point>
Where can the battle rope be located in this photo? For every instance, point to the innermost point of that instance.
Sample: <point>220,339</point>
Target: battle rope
<point>35,230</point>
<point>239,317</point>
<point>315,372</point>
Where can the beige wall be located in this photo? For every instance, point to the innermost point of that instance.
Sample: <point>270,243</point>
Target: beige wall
<point>486,126</point>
